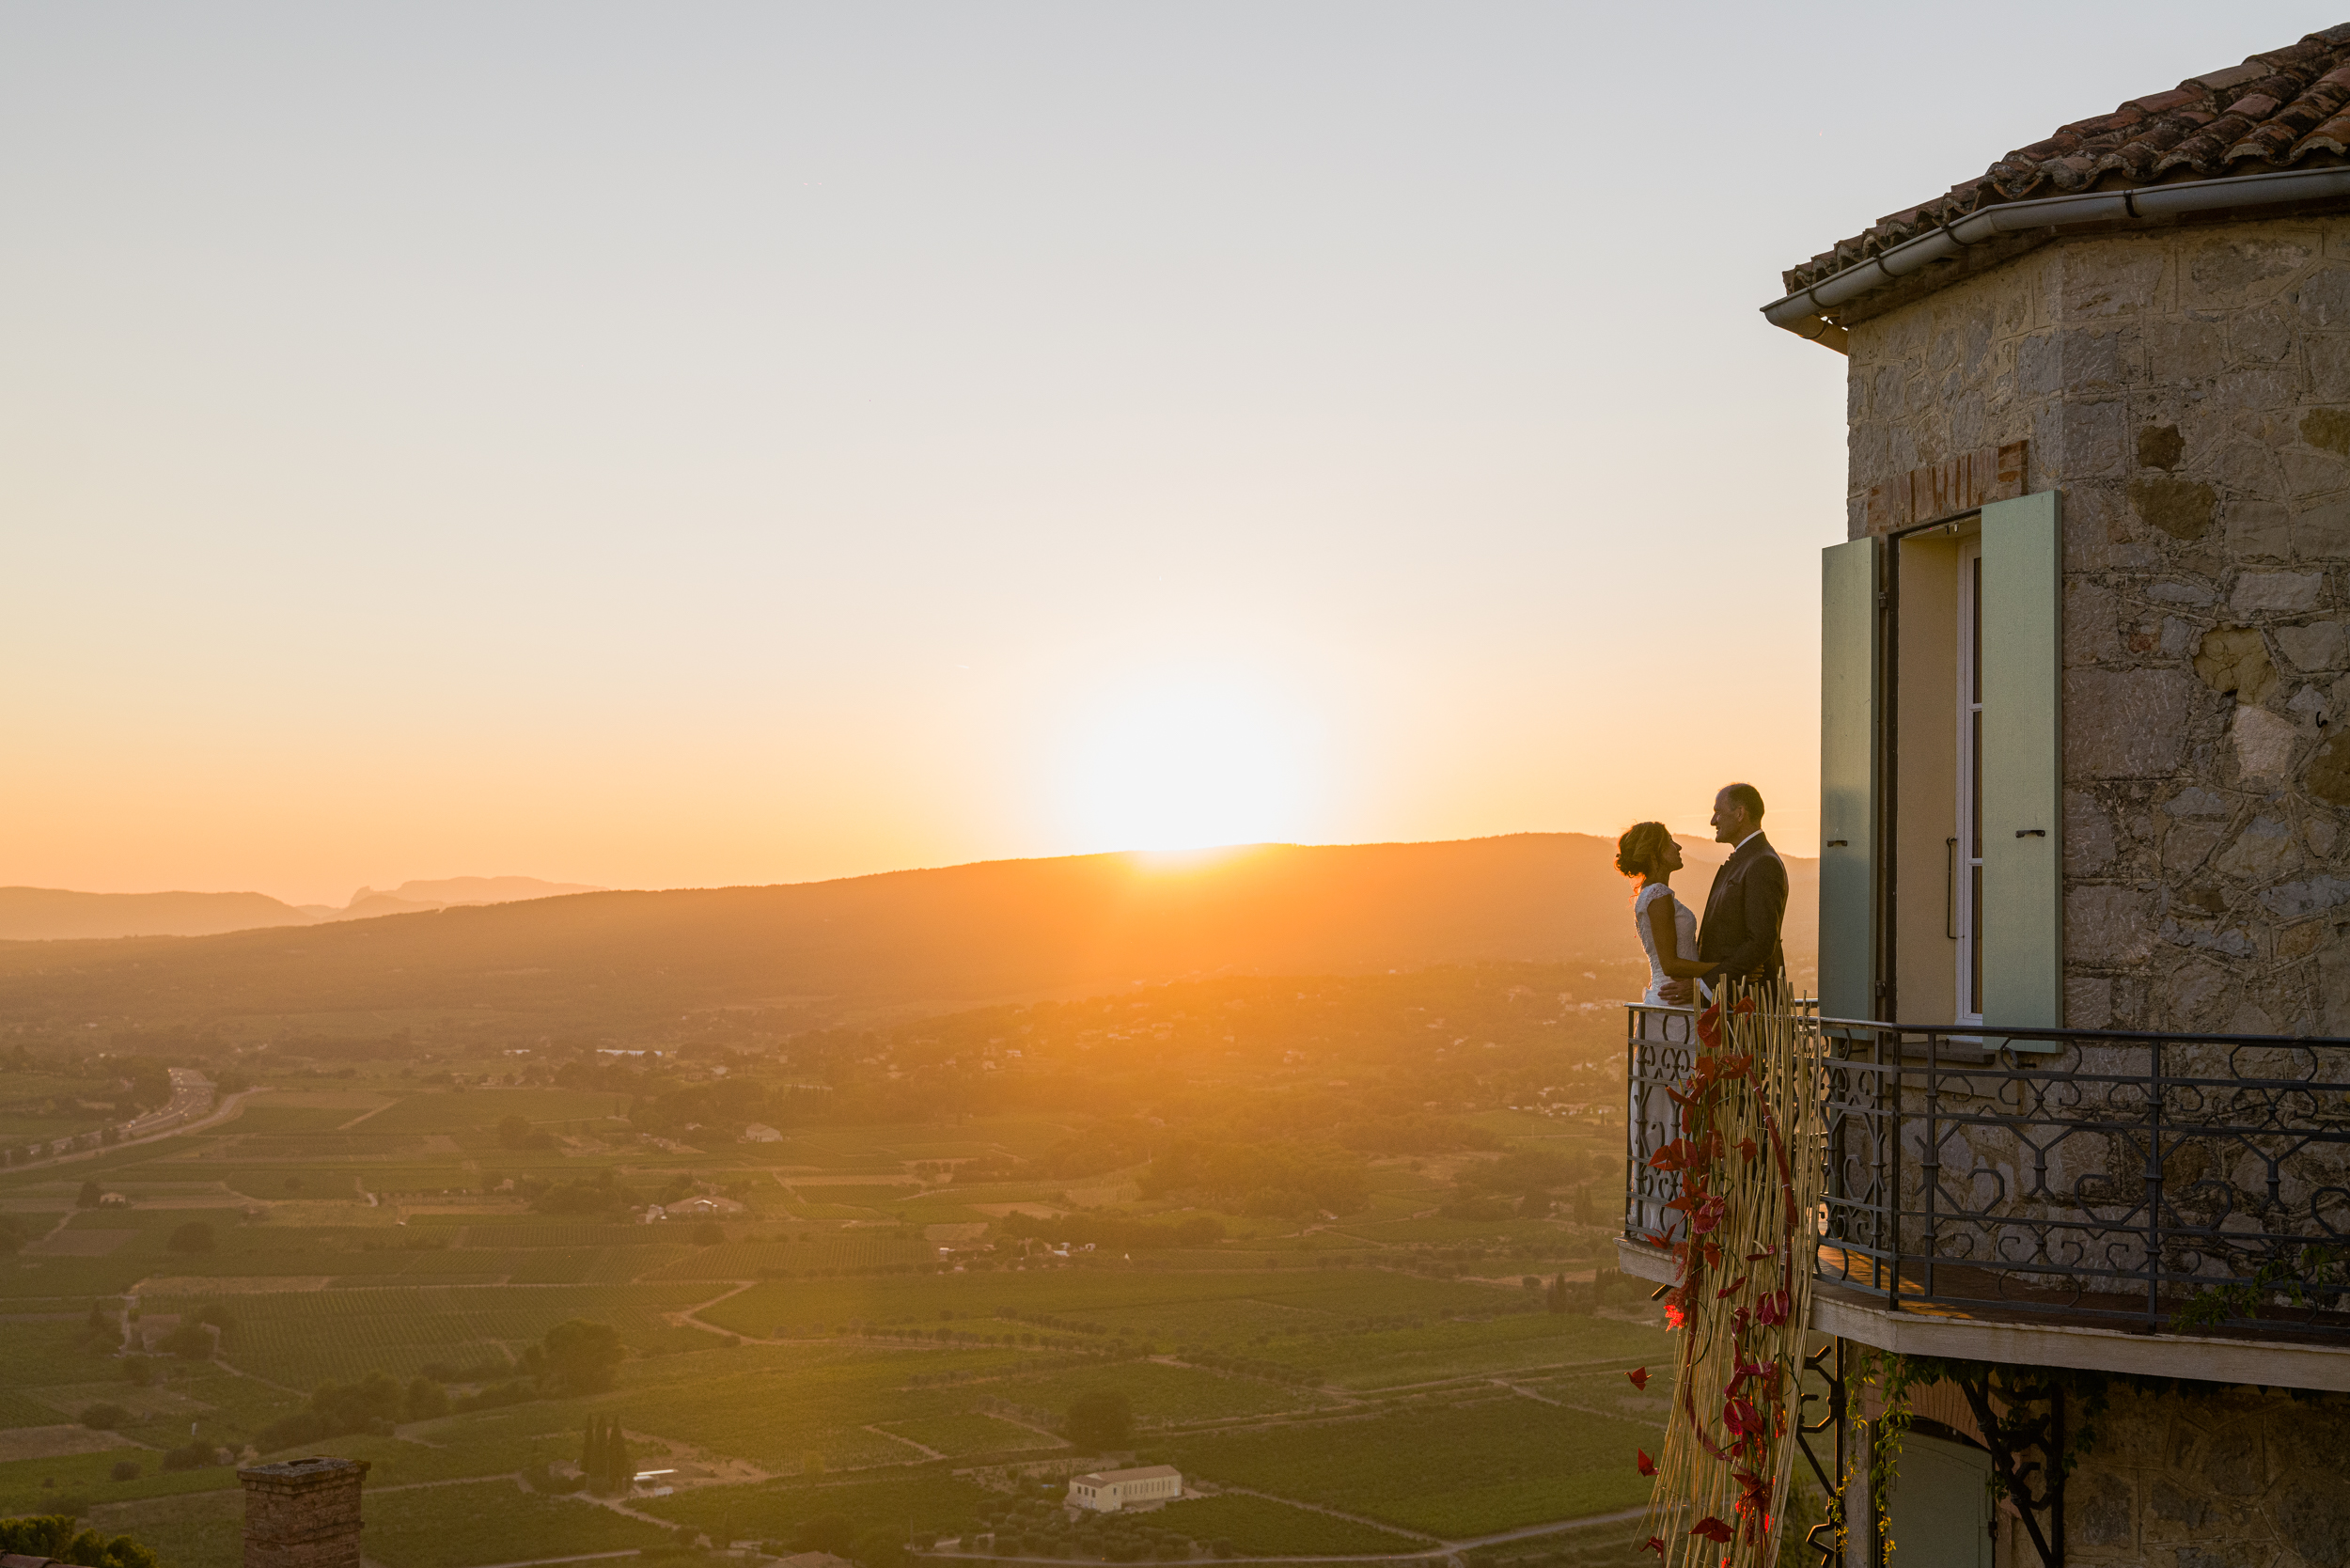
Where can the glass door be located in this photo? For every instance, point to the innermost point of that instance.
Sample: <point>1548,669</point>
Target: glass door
<point>1966,849</point>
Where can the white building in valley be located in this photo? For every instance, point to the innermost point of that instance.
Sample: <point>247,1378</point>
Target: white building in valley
<point>1108,1491</point>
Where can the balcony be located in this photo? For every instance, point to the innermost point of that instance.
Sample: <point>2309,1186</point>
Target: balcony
<point>2177,1205</point>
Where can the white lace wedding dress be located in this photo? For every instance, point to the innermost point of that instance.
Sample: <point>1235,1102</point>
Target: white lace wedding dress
<point>1684,937</point>
<point>1655,1120</point>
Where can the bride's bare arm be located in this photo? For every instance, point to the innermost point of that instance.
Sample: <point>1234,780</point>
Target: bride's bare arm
<point>1662,930</point>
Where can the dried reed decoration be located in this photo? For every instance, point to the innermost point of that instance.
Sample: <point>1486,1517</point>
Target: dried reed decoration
<point>1749,1157</point>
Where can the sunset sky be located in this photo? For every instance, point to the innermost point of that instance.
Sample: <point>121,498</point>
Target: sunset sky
<point>657,445</point>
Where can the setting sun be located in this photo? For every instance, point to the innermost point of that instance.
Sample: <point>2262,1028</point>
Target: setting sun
<point>1182,763</point>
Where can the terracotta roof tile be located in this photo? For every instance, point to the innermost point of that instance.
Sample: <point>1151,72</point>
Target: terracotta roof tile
<point>2287,107</point>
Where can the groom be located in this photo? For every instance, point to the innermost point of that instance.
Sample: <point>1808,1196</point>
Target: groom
<point>1739,935</point>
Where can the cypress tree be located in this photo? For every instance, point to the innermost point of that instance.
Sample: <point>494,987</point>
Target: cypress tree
<point>623,1467</point>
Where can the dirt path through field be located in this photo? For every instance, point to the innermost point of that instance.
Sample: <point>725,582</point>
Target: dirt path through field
<point>687,1319</point>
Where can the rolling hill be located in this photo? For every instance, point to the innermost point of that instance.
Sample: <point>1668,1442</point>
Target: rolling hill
<point>950,937</point>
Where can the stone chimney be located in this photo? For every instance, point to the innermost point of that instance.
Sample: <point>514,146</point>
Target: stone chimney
<point>303,1514</point>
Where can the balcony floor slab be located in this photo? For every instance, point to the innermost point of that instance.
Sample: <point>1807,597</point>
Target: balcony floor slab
<point>2286,1361</point>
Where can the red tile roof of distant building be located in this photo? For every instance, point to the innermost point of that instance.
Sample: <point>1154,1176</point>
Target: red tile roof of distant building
<point>2287,108</point>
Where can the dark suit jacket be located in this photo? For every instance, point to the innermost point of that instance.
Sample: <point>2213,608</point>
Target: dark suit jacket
<point>1743,911</point>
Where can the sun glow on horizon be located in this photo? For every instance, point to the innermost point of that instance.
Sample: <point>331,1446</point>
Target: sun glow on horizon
<point>1189,762</point>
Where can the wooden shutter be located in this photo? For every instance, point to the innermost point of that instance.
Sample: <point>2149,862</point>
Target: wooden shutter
<point>1850,576</point>
<point>2022,920</point>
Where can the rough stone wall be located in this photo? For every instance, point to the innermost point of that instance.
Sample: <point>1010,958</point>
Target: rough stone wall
<point>2233,1479</point>
<point>2188,392</point>
<point>303,1514</point>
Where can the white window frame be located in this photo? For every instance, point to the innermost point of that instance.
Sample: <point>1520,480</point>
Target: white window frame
<point>1966,848</point>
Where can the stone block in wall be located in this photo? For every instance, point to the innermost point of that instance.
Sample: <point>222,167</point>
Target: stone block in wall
<point>2114,278</point>
<point>2126,722</point>
<point>2322,303</point>
<point>2244,267</point>
<point>2264,745</point>
<point>2109,926</point>
<point>2277,592</point>
<point>2327,361</point>
<point>2182,350</point>
<point>2263,335</point>
<point>2181,508</point>
<point>2266,849</point>
<point>2089,847</point>
<point>2256,530</point>
<point>2315,645</point>
<point>2100,1511</point>
<point>2321,531</point>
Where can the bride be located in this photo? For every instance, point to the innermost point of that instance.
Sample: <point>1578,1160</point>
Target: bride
<point>1667,927</point>
<point>1669,934</point>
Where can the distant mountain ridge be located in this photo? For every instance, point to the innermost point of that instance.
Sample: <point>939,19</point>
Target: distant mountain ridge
<point>56,914</point>
<point>411,897</point>
<point>958,934</point>
<point>51,914</point>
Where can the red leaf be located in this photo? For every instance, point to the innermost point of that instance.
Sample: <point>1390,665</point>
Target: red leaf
<point>1639,1377</point>
<point>1648,1466</point>
<point>1760,1254</point>
<point>1713,1529</point>
<point>1732,1289</point>
<point>1656,1545</point>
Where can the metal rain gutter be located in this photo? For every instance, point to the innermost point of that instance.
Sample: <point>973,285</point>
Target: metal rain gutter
<point>1802,312</point>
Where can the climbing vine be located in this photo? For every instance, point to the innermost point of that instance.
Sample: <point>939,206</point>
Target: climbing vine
<point>1747,1154</point>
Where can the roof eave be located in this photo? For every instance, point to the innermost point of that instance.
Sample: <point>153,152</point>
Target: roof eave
<point>1810,313</point>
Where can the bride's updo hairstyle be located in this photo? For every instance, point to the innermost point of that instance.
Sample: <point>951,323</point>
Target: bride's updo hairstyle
<point>1636,852</point>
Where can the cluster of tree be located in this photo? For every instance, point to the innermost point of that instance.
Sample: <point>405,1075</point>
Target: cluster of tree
<point>54,1536</point>
<point>1111,1144</point>
<point>1288,1179</point>
<point>601,1197</point>
<point>605,1459</point>
<point>192,1340</point>
<point>877,1546</point>
<point>577,1356</point>
<point>374,1404</point>
<point>515,1133</point>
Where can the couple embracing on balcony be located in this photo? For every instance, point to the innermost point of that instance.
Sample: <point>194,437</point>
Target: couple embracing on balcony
<point>1738,939</point>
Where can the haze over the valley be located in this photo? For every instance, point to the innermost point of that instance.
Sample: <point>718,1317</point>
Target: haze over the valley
<point>51,914</point>
<point>951,936</point>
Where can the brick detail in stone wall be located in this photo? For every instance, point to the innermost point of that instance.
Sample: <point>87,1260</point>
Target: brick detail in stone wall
<point>303,1514</point>
<point>1945,489</point>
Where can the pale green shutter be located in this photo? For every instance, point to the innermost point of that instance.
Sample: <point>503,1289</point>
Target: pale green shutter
<point>2023,859</point>
<point>1849,575</point>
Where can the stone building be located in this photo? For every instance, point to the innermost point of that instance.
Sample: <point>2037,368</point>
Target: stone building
<point>1113,1491</point>
<point>2085,883</point>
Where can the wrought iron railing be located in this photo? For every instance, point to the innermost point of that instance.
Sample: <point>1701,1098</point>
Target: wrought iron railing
<point>2154,1182</point>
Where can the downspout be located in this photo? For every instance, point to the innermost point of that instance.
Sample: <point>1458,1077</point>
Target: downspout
<point>1803,312</point>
